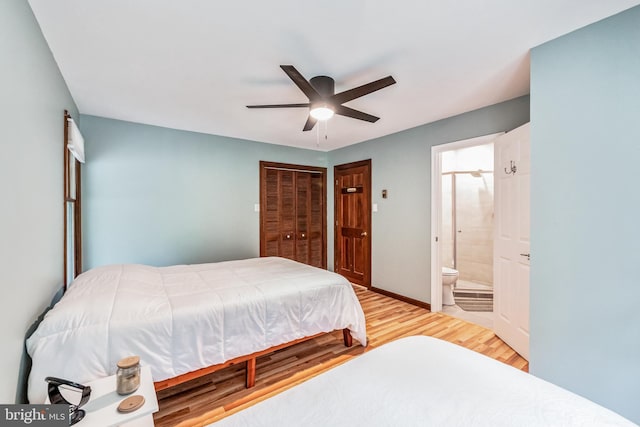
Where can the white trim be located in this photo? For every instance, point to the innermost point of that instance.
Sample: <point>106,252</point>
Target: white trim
<point>436,229</point>
<point>436,209</point>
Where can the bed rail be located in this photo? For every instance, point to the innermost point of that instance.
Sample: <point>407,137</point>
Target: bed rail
<point>249,359</point>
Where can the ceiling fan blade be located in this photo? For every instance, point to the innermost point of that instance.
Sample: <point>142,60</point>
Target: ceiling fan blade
<point>363,90</point>
<point>278,106</point>
<point>301,82</point>
<point>311,122</point>
<point>355,114</point>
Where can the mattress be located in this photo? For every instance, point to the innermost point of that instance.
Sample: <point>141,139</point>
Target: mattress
<point>182,318</point>
<point>424,381</point>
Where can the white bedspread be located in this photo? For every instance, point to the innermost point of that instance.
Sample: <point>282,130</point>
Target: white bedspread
<point>182,318</point>
<point>423,381</point>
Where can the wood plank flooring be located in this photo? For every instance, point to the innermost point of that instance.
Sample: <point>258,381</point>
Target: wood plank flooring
<point>207,399</point>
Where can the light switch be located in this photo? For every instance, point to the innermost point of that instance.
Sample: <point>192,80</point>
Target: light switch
<point>256,207</point>
<point>375,207</point>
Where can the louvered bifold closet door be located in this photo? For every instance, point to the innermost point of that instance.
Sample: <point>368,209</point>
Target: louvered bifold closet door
<point>293,212</point>
<point>303,205</point>
<point>278,219</point>
<point>317,221</point>
<point>270,213</point>
<point>287,212</point>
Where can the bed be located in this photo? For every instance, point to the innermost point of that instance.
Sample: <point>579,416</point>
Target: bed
<point>187,320</point>
<point>424,381</point>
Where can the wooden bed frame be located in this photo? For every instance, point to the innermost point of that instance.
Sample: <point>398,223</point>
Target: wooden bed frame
<point>73,195</point>
<point>249,359</point>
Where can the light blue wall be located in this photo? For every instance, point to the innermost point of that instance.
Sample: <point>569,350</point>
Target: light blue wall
<point>159,196</point>
<point>33,97</point>
<point>401,164</point>
<point>585,249</point>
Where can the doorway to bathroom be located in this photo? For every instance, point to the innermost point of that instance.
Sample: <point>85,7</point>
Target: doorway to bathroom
<point>463,214</point>
<point>511,237</point>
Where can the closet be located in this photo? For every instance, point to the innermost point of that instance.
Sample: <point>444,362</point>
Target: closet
<point>293,212</point>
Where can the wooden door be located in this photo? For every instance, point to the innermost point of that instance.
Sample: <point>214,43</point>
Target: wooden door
<point>353,221</point>
<point>512,239</point>
<point>293,212</point>
<point>311,217</point>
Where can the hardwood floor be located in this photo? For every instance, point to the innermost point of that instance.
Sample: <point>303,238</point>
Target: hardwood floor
<point>217,395</point>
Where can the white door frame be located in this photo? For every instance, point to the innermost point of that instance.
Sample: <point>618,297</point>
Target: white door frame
<point>436,209</point>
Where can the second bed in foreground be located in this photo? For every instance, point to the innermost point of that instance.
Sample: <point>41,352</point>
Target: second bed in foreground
<point>424,381</point>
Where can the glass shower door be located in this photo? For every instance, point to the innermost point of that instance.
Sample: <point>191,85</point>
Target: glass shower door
<point>474,227</point>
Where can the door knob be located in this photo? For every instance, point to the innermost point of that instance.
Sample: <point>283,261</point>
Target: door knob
<point>363,234</point>
<point>527,255</point>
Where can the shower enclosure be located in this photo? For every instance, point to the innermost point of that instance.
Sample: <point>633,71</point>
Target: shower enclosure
<point>468,224</point>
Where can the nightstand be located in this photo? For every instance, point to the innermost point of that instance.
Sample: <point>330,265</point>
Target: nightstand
<point>101,409</point>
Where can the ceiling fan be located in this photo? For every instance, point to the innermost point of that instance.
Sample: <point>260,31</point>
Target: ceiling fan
<point>324,102</point>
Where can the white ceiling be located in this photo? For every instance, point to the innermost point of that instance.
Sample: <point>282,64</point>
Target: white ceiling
<point>195,64</point>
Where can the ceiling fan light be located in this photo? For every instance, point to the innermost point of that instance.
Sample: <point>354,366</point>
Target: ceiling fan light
<point>322,112</point>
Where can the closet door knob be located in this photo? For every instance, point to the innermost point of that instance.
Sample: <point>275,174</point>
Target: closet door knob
<point>363,234</point>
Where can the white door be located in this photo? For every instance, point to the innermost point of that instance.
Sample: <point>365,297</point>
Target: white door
<point>512,238</point>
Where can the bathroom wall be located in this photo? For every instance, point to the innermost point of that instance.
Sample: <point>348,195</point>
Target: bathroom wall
<point>473,212</point>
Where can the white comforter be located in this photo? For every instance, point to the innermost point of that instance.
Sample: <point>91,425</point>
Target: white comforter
<point>423,381</point>
<point>182,318</point>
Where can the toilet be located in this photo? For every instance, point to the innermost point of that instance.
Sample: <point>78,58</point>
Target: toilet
<point>449,279</point>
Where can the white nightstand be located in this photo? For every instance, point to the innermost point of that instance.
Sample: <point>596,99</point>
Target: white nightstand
<point>101,409</point>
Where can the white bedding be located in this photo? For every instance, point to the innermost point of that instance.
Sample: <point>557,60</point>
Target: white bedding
<point>424,381</point>
<point>182,318</point>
